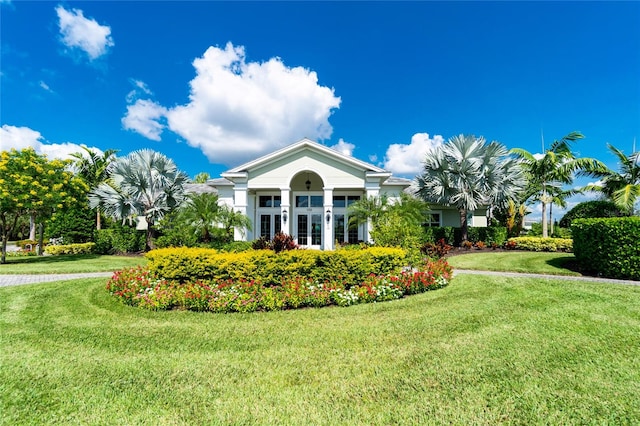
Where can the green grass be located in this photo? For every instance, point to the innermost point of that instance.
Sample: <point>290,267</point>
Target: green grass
<point>485,350</point>
<point>66,264</point>
<point>520,261</point>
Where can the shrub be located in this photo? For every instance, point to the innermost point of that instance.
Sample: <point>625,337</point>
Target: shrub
<point>119,240</point>
<point>81,248</point>
<point>437,250</point>
<point>141,287</point>
<point>283,242</point>
<point>540,244</point>
<point>444,232</point>
<point>608,246</point>
<point>187,264</point>
<point>591,209</point>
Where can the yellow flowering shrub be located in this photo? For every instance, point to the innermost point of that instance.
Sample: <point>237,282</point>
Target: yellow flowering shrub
<point>351,267</point>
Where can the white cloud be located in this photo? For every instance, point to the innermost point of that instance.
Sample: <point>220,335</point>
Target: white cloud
<point>140,87</point>
<point>24,137</point>
<point>85,34</point>
<point>45,86</point>
<point>144,117</point>
<point>239,110</point>
<point>344,147</point>
<point>407,159</point>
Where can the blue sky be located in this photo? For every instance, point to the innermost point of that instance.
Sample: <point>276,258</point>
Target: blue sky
<point>215,84</point>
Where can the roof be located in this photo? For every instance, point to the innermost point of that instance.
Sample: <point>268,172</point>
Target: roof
<point>200,188</point>
<point>302,144</point>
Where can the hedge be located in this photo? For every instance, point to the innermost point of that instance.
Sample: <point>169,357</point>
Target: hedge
<point>608,246</point>
<point>453,236</point>
<point>80,248</point>
<point>187,264</point>
<point>540,244</point>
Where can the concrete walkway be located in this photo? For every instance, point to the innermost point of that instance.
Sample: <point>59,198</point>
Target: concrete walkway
<point>546,276</point>
<point>9,280</point>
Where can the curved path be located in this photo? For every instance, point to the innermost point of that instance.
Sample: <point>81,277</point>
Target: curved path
<point>10,280</point>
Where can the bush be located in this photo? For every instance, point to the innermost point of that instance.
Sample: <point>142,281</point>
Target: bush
<point>608,246</point>
<point>81,248</point>
<point>348,266</point>
<point>540,244</point>
<point>591,209</point>
<point>141,287</point>
<point>119,240</point>
<point>444,232</point>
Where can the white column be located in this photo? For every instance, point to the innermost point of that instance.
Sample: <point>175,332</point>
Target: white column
<point>371,191</point>
<point>286,215</point>
<point>240,205</point>
<point>328,224</point>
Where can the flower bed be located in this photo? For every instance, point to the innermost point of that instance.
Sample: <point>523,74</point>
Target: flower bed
<point>140,287</point>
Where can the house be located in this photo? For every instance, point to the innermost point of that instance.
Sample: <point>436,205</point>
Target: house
<point>305,190</point>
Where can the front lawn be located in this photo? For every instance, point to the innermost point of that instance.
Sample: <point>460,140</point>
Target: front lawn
<point>515,261</point>
<point>484,350</point>
<point>68,264</point>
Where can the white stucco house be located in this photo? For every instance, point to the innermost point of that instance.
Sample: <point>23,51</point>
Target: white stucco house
<point>304,190</point>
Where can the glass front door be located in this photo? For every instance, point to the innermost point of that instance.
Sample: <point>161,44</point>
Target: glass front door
<point>309,229</point>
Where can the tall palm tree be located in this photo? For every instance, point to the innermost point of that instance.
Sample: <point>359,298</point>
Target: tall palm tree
<point>144,183</point>
<point>548,173</point>
<point>94,169</point>
<point>623,188</point>
<point>468,173</point>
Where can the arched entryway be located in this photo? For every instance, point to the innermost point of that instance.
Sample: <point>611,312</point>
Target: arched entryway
<point>308,208</point>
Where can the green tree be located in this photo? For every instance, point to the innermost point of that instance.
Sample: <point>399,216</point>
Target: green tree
<point>468,173</point>
<point>623,187</point>
<point>33,185</point>
<point>201,177</point>
<point>394,223</point>
<point>202,213</point>
<point>144,183</point>
<point>94,168</point>
<point>547,174</point>
<point>230,220</point>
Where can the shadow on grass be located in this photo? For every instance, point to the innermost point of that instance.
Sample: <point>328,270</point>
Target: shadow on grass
<point>47,260</point>
<point>570,264</point>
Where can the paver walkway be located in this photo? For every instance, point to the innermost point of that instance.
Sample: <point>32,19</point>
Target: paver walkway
<point>9,280</point>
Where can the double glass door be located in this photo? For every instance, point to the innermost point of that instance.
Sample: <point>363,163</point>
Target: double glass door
<point>310,229</point>
<point>309,220</point>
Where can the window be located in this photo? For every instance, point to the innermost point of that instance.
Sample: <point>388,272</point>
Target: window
<point>269,201</point>
<point>342,231</point>
<point>433,220</point>
<point>268,217</point>
<point>309,200</point>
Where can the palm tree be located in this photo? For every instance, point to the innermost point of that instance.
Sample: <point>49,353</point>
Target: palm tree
<point>548,173</point>
<point>94,169</point>
<point>202,212</point>
<point>231,219</point>
<point>468,173</point>
<point>623,188</point>
<point>144,183</point>
<point>369,209</point>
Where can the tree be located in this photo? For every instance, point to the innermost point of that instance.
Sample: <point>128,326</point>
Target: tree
<point>548,173</point>
<point>201,177</point>
<point>144,183</point>
<point>590,209</point>
<point>94,169</point>
<point>623,188</point>
<point>33,185</point>
<point>202,213</point>
<point>468,173</point>
<point>230,220</point>
<point>394,223</point>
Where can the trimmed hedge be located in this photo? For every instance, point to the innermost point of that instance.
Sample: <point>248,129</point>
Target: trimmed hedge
<point>188,264</point>
<point>540,244</point>
<point>80,248</point>
<point>453,236</point>
<point>608,246</point>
